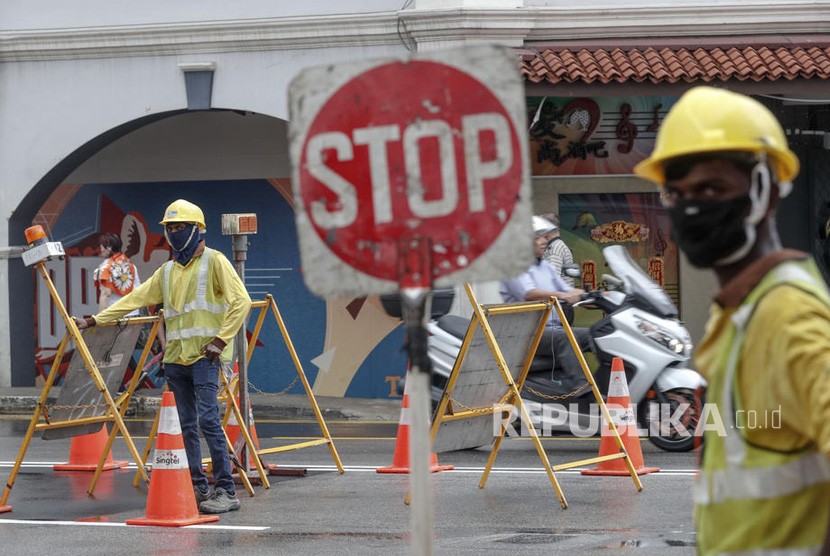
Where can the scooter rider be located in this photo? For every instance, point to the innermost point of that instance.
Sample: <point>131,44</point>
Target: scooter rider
<point>764,483</point>
<point>540,283</point>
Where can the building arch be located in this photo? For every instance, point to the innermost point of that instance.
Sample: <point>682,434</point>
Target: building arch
<point>170,146</point>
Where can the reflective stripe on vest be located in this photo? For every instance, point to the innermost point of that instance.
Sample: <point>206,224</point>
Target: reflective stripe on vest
<point>775,552</point>
<point>760,483</point>
<point>199,303</point>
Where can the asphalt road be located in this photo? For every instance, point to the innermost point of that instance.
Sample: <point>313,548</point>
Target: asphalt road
<point>360,511</point>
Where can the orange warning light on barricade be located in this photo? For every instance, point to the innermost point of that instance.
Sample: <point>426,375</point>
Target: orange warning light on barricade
<point>35,235</point>
<point>39,249</point>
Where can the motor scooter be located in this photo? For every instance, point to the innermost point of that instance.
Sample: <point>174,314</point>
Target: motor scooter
<point>639,325</point>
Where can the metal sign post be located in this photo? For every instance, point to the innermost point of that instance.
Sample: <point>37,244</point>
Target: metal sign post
<point>414,302</point>
<point>239,226</point>
<point>411,174</point>
<point>415,270</point>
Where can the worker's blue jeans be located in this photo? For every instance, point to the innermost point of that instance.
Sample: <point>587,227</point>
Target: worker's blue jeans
<point>196,387</point>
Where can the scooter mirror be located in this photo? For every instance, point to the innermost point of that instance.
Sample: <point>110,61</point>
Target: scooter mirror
<point>571,270</point>
<point>612,281</point>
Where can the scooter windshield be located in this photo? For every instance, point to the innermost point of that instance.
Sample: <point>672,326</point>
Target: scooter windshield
<point>637,283</point>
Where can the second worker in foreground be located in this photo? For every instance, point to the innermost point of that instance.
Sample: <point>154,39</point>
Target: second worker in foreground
<point>205,303</point>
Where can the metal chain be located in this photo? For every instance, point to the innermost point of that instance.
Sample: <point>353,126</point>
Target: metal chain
<point>465,408</point>
<point>45,409</point>
<point>81,406</point>
<point>252,386</point>
<point>559,397</point>
<point>227,370</point>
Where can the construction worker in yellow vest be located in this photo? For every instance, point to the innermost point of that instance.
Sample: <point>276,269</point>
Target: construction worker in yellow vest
<point>764,484</point>
<point>205,303</point>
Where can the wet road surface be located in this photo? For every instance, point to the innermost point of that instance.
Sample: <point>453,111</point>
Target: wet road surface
<point>361,510</point>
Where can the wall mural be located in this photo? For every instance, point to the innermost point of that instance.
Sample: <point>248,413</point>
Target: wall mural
<point>347,347</point>
<point>603,135</point>
<point>638,221</point>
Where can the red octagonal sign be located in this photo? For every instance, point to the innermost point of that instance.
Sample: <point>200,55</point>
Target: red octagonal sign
<point>396,151</point>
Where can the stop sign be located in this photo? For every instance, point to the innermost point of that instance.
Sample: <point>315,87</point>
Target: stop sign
<point>432,147</point>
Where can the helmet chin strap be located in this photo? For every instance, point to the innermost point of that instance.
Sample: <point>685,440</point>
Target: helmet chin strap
<point>759,191</point>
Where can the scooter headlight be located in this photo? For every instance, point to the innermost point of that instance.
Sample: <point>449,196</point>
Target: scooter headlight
<point>664,337</point>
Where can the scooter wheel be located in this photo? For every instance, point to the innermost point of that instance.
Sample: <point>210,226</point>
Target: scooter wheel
<point>668,435</point>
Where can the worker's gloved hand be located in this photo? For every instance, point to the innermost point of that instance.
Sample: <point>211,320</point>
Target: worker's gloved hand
<point>84,322</point>
<point>213,349</point>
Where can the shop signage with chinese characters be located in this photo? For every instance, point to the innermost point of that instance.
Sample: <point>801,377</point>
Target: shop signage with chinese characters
<point>592,136</point>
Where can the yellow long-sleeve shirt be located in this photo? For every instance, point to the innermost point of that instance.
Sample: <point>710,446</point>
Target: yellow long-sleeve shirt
<point>226,286</point>
<point>784,369</point>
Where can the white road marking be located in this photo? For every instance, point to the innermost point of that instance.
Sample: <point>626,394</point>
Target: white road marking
<point>117,524</point>
<point>371,468</point>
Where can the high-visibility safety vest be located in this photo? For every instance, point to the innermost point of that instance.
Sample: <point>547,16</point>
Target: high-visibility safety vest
<point>750,499</point>
<point>199,320</point>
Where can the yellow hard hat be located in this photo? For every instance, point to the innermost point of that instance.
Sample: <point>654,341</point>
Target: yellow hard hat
<point>708,120</point>
<point>184,211</point>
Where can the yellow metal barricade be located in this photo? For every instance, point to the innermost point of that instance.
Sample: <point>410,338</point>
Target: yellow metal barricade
<point>106,409</point>
<point>451,411</point>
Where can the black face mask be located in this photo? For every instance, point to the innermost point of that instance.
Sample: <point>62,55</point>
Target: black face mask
<point>184,243</point>
<point>708,231</point>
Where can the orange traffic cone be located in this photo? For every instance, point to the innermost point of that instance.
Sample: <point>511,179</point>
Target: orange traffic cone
<point>619,404</point>
<point>400,459</point>
<point>85,452</point>
<point>237,440</point>
<point>170,499</point>
<point>233,428</point>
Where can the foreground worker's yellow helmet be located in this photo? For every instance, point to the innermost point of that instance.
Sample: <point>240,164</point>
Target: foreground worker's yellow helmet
<point>184,211</point>
<point>707,120</point>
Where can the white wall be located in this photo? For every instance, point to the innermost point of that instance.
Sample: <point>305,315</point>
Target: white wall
<point>51,14</point>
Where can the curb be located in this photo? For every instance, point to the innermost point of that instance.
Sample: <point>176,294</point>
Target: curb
<point>145,403</point>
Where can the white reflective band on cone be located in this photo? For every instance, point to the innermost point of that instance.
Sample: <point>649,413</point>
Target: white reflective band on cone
<point>405,419</point>
<point>169,421</point>
<point>406,416</point>
<point>170,459</point>
<point>232,420</point>
<point>618,386</point>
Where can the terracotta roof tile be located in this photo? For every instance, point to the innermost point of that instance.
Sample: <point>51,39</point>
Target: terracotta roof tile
<point>673,65</point>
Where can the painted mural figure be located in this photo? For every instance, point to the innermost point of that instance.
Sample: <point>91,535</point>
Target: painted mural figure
<point>764,483</point>
<point>117,275</point>
<point>205,304</point>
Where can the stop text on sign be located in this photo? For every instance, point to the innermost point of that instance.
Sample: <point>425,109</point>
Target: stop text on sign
<point>377,140</point>
<point>393,153</point>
